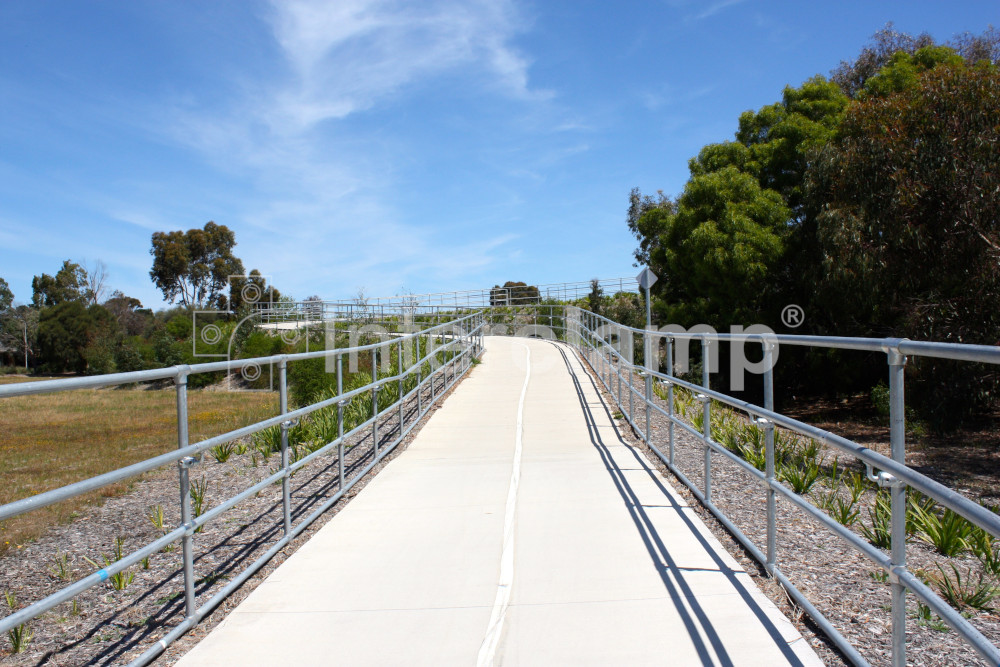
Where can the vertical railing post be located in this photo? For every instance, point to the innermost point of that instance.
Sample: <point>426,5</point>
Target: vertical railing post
<point>420,379</point>
<point>670,398</point>
<point>620,360</point>
<point>897,490</point>
<point>647,357</point>
<point>706,417</point>
<point>772,509</point>
<point>286,495</point>
<point>375,402</point>
<point>399,367</point>
<point>187,548</point>
<point>340,418</point>
<point>631,393</point>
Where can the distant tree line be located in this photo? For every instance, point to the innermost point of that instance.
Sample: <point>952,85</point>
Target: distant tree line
<point>76,323</point>
<point>868,198</point>
<point>514,293</point>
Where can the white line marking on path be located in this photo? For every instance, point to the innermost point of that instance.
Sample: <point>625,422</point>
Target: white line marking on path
<point>488,649</point>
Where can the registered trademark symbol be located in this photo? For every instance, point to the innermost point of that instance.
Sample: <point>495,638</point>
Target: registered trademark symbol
<point>792,316</point>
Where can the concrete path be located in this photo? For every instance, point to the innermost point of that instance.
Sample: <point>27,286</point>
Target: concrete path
<point>516,529</point>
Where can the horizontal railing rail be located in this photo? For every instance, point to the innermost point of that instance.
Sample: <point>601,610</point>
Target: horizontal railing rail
<point>448,350</point>
<point>609,349</point>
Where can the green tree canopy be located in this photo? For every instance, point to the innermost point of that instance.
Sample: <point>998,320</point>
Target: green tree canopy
<point>69,284</point>
<point>64,332</point>
<point>6,296</point>
<point>194,266</point>
<point>513,293</point>
<point>913,182</point>
<point>247,292</point>
<point>717,249</point>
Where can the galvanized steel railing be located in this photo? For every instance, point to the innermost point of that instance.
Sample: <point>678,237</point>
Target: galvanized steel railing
<point>437,303</point>
<point>461,338</point>
<point>592,334</point>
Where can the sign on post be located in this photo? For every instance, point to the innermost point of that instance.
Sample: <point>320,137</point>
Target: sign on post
<point>646,279</point>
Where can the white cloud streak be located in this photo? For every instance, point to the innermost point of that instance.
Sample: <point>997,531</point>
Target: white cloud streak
<point>317,187</point>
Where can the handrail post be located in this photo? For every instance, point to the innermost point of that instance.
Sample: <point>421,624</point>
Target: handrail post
<point>706,418</point>
<point>772,509</point>
<point>375,403</point>
<point>670,399</point>
<point>631,392</point>
<point>187,546</point>
<point>897,491</point>
<point>399,366</point>
<point>618,370</point>
<point>286,496</point>
<point>420,379</point>
<point>647,358</point>
<point>340,419</point>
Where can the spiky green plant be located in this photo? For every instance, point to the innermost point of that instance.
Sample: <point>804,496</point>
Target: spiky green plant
<point>977,593</point>
<point>878,529</point>
<point>155,516</point>
<point>800,477</point>
<point>223,451</point>
<point>857,483</point>
<point>197,491</point>
<point>844,511</point>
<point>119,580</point>
<point>60,567</point>
<point>945,530</point>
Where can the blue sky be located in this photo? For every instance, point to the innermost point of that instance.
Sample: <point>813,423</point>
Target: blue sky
<point>434,145</point>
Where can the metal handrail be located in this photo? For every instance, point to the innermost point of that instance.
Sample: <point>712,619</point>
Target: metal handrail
<point>609,362</point>
<point>464,342</point>
<point>590,334</point>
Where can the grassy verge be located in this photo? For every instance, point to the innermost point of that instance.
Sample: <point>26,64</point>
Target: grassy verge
<point>56,439</point>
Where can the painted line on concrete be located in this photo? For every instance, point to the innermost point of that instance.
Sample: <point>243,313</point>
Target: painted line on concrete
<point>488,649</point>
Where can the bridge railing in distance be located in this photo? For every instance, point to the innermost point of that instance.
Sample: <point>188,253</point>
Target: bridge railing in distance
<point>447,349</point>
<point>608,347</point>
<point>437,302</point>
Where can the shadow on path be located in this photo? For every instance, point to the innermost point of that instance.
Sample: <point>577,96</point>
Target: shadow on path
<point>670,573</point>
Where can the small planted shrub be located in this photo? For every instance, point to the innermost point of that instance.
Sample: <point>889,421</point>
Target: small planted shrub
<point>945,530</point>
<point>198,490</point>
<point>878,528</point>
<point>21,635</point>
<point>800,478</point>
<point>120,580</point>
<point>973,593</point>
<point>223,451</point>
<point>844,511</point>
<point>60,568</point>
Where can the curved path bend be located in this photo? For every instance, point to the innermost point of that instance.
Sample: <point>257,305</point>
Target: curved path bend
<point>517,529</point>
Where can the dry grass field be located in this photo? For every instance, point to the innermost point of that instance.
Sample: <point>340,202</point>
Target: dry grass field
<point>50,440</point>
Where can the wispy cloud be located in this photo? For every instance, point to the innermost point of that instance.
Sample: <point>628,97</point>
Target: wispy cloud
<point>348,55</point>
<point>320,187</point>
<point>716,7</point>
